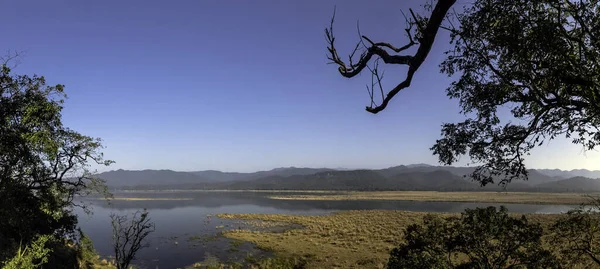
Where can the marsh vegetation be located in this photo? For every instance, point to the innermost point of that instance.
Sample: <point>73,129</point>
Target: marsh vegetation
<point>366,238</point>
<point>485,197</point>
<point>539,59</point>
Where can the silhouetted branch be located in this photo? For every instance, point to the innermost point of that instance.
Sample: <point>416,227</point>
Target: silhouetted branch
<point>129,236</point>
<point>11,57</point>
<point>376,79</point>
<point>352,70</point>
<point>377,49</point>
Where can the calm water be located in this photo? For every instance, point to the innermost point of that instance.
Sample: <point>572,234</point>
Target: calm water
<point>177,221</point>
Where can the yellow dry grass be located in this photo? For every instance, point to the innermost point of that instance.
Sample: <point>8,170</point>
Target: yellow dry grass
<point>486,197</point>
<point>348,239</point>
<point>146,199</point>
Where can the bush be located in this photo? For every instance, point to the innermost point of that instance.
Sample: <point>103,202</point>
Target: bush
<point>30,256</point>
<point>479,238</point>
<point>576,235</point>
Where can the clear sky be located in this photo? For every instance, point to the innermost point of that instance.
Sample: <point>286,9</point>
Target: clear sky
<point>236,85</point>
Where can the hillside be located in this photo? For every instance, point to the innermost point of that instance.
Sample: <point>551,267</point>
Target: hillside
<point>569,174</point>
<point>412,177</point>
<point>436,180</point>
<point>219,176</point>
<point>369,180</point>
<point>330,180</point>
<point>123,178</point>
<point>392,171</point>
<point>535,177</point>
<point>575,184</point>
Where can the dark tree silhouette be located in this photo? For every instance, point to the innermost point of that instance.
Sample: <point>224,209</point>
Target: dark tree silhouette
<point>540,59</point>
<point>129,236</point>
<point>424,35</point>
<point>576,235</point>
<point>480,238</point>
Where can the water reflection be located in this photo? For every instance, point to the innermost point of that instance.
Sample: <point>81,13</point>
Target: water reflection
<point>179,220</point>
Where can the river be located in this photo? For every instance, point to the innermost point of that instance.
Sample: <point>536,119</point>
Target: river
<point>179,223</point>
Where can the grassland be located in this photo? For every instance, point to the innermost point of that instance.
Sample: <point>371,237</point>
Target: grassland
<point>145,199</point>
<point>486,197</point>
<point>348,239</point>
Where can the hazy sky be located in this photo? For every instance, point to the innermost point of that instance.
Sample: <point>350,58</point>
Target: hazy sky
<point>236,85</point>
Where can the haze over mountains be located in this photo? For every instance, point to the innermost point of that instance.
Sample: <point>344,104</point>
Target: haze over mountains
<point>404,177</point>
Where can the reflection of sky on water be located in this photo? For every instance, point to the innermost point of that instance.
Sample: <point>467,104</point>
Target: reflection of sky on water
<point>177,221</point>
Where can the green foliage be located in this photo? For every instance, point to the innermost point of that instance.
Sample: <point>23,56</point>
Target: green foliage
<point>480,238</point>
<point>426,246</point>
<point>43,166</point>
<point>277,262</point>
<point>539,58</point>
<point>30,256</point>
<point>576,235</point>
<point>86,254</point>
<point>280,263</point>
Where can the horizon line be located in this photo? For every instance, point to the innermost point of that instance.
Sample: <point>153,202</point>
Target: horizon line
<point>337,168</point>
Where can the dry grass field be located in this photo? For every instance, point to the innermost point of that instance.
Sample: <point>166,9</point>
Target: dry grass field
<point>348,239</point>
<point>487,197</point>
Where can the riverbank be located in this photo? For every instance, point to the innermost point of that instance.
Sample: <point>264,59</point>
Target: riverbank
<point>142,199</point>
<point>347,239</point>
<point>434,196</point>
<point>540,198</point>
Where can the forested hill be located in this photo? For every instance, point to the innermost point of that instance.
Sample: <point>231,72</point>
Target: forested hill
<point>412,177</point>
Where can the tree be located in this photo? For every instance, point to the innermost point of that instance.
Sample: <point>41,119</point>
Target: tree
<point>129,236</point>
<point>86,253</point>
<point>433,238</point>
<point>479,238</point>
<point>539,58</point>
<point>577,234</point>
<point>30,256</point>
<point>424,35</point>
<point>43,165</point>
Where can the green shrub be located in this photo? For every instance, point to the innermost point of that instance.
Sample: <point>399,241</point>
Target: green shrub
<point>483,238</point>
<point>31,256</point>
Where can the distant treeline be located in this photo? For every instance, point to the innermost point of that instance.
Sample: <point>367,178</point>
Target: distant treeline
<point>399,178</point>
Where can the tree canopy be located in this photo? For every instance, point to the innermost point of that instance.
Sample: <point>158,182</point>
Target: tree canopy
<point>540,59</point>
<point>479,238</point>
<point>43,165</point>
<point>576,235</point>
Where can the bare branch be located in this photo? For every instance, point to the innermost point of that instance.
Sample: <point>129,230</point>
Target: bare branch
<point>128,239</point>
<point>378,49</point>
<point>426,42</point>
<point>419,26</point>
<point>14,57</point>
<point>376,79</point>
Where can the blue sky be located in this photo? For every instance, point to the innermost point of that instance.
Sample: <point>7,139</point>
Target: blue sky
<point>236,85</point>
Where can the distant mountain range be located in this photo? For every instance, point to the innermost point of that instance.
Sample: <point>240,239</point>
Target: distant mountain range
<point>404,177</point>
<point>571,173</point>
<point>214,175</point>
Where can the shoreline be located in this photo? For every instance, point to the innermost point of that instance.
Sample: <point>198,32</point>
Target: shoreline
<point>536,198</point>
<point>338,239</point>
<point>464,197</point>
